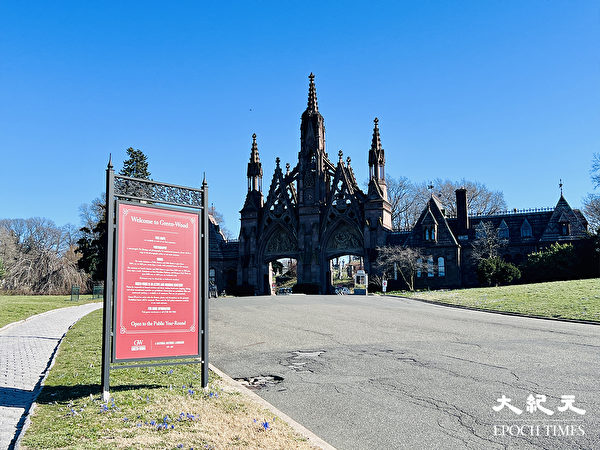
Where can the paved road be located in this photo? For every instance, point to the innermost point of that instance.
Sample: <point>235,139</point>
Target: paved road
<point>383,372</point>
<point>26,350</point>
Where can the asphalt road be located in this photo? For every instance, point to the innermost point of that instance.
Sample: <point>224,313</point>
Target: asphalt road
<point>383,372</point>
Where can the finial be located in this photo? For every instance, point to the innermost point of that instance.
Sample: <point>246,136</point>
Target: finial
<point>340,154</point>
<point>277,161</point>
<point>312,77</point>
<point>254,136</point>
<point>430,187</point>
<point>287,168</point>
<point>110,165</point>
<point>560,185</point>
<point>376,121</point>
<point>348,161</point>
<point>204,179</point>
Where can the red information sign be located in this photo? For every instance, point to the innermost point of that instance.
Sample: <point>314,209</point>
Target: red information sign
<point>157,283</point>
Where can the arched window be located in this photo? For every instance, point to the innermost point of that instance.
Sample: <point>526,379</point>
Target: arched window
<point>433,233</point>
<point>430,266</point>
<point>419,263</point>
<point>526,231</point>
<point>426,233</point>
<point>441,267</point>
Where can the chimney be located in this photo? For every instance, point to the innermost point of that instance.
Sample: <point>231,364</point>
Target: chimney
<point>462,213</point>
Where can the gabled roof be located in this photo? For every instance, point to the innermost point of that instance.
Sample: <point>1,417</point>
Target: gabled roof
<point>433,213</point>
<point>563,213</point>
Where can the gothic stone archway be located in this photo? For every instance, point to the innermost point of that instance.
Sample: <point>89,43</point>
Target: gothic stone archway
<point>313,211</point>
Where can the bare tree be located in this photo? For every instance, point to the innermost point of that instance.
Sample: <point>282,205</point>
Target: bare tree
<point>400,195</point>
<point>591,208</point>
<point>591,203</point>
<point>407,199</point>
<point>218,217</point>
<point>38,256</point>
<point>487,243</point>
<point>404,260</point>
<point>480,200</point>
<point>595,171</point>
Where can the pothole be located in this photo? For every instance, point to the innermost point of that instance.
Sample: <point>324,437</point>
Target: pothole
<point>259,382</point>
<point>303,361</point>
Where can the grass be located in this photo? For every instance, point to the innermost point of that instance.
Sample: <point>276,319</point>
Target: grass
<point>161,407</point>
<point>576,299</point>
<point>19,307</point>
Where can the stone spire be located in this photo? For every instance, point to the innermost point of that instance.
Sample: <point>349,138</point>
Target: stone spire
<point>376,155</point>
<point>313,106</point>
<point>255,171</point>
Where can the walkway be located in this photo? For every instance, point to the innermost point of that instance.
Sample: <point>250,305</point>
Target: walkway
<point>26,350</point>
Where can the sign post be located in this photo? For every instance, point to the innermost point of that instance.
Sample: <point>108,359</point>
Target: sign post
<point>156,286</point>
<point>384,286</point>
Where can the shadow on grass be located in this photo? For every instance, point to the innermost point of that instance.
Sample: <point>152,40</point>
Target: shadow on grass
<point>61,394</point>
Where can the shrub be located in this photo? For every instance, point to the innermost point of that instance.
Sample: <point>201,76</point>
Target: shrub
<point>557,262</point>
<point>496,271</point>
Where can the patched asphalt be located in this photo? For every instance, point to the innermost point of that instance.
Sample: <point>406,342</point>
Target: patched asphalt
<point>383,372</point>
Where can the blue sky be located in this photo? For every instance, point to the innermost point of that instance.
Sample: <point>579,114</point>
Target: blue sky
<point>502,92</point>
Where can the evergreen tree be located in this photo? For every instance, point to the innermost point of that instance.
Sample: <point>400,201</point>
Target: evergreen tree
<point>92,245</point>
<point>136,166</point>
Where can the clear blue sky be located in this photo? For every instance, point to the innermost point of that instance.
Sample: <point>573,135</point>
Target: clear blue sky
<point>502,92</point>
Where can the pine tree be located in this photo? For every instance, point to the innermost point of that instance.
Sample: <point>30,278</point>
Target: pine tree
<point>136,166</point>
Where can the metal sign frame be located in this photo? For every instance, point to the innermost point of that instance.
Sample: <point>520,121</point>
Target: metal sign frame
<point>121,189</point>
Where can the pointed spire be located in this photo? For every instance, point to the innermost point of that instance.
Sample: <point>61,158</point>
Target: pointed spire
<point>277,161</point>
<point>341,154</point>
<point>254,158</point>
<point>376,142</point>
<point>312,95</point>
<point>110,164</point>
<point>254,166</point>
<point>287,168</point>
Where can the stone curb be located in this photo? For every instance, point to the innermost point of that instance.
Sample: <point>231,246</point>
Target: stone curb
<point>309,435</point>
<point>504,313</point>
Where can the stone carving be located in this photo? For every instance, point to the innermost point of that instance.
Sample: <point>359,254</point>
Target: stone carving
<point>280,242</point>
<point>345,238</point>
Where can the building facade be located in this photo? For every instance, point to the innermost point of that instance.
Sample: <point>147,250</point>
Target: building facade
<point>315,212</point>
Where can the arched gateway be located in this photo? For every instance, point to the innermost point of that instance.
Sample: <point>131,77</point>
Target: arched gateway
<point>313,212</point>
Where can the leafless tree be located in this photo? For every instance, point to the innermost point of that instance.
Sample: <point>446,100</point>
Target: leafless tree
<point>591,208</point>
<point>480,200</point>
<point>38,257</point>
<point>591,203</point>
<point>220,221</point>
<point>487,243</point>
<point>405,260</point>
<point>407,199</point>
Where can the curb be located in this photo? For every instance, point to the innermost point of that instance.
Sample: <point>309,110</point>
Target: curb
<point>504,313</point>
<point>309,435</point>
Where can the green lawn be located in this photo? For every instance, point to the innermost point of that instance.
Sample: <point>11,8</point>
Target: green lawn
<point>576,299</point>
<point>19,307</point>
<point>162,407</point>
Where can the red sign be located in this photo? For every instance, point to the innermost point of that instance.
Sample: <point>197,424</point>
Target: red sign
<point>157,283</point>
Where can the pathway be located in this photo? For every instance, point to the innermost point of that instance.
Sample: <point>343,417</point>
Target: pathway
<point>26,352</point>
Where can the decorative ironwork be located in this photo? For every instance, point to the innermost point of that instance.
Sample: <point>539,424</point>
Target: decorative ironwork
<point>151,191</point>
